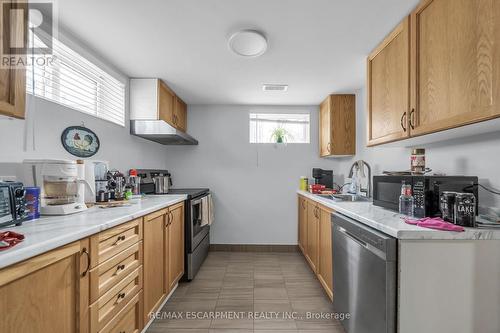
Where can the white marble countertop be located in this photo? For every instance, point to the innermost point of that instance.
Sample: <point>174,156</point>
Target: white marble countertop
<point>50,232</point>
<point>391,223</point>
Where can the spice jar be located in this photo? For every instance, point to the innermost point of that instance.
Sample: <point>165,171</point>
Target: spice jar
<point>418,161</point>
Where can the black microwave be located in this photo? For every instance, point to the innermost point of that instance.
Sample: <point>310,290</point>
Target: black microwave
<point>426,191</point>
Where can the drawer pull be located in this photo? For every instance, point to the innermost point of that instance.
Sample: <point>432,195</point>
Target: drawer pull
<point>121,295</point>
<point>120,267</point>
<point>120,238</point>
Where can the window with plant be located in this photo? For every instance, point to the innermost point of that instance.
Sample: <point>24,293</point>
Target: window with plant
<point>279,128</point>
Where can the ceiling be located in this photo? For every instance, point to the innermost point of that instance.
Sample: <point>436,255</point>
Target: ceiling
<point>317,47</point>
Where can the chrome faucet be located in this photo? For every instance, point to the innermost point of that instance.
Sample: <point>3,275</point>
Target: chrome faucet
<point>360,165</point>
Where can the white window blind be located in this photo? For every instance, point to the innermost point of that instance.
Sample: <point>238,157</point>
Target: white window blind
<point>73,81</point>
<point>266,127</point>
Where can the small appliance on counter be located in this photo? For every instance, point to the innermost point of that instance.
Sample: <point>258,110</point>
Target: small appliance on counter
<point>59,182</point>
<point>95,175</point>
<point>154,181</point>
<point>12,203</point>
<point>197,235</point>
<point>323,177</point>
<point>426,191</point>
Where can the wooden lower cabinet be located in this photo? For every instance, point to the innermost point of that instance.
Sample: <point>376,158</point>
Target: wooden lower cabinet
<point>325,264</point>
<point>312,235</point>
<point>47,293</point>
<point>163,255</point>
<point>154,265</point>
<point>302,224</point>
<point>175,235</point>
<point>315,223</point>
<point>129,319</point>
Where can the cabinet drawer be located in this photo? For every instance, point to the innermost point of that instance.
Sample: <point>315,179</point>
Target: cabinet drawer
<point>102,311</point>
<point>108,243</point>
<point>128,320</point>
<point>112,271</point>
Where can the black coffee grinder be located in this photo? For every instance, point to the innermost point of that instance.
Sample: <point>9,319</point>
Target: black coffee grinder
<point>323,177</point>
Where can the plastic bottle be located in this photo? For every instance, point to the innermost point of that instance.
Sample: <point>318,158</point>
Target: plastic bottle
<point>406,201</point>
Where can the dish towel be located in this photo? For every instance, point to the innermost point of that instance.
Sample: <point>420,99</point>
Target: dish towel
<point>9,239</point>
<point>205,211</point>
<point>211,217</point>
<point>436,223</point>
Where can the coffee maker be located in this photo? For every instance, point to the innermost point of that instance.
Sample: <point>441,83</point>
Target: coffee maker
<point>62,185</point>
<point>323,177</point>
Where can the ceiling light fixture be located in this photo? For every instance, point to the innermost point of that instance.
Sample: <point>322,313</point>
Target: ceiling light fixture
<point>248,43</point>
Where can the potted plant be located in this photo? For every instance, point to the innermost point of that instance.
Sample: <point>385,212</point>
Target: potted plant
<point>280,135</point>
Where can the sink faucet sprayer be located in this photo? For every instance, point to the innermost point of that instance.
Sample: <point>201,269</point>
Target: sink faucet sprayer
<point>358,171</point>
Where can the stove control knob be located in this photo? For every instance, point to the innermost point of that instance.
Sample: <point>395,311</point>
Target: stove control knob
<point>19,193</point>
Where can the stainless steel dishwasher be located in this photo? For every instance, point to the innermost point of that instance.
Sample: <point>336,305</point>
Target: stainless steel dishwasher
<point>364,276</point>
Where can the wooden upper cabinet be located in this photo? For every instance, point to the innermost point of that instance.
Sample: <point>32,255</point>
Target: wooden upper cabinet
<point>337,126</point>
<point>166,103</point>
<point>47,293</point>
<point>388,87</point>
<point>13,80</point>
<point>180,114</point>
<point>457,63</point>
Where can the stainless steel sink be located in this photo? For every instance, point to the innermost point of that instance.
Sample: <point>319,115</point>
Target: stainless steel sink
<point>344,197</point>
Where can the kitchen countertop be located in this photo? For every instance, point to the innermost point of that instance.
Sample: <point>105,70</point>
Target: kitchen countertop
<point>391,223</point>
<point>50,232</point>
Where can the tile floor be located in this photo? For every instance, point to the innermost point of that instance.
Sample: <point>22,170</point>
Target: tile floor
<point>269,285</point>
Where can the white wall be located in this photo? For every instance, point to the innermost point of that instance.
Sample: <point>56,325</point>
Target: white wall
<point>253,184</point>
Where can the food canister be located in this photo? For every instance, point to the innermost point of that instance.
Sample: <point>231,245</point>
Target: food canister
<point>447,206</point>
<point>32,202</point>
<point>418,161</point>
<point>304,183</point>
<point>465,210</point>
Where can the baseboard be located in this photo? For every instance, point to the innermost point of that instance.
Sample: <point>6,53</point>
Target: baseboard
<point>253,248</point>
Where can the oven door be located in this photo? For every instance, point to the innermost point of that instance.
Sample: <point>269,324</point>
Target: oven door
<point>6,213</point>
<point>198,232</point>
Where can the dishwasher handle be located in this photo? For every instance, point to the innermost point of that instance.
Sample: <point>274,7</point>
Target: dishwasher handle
<point>352,237</point>
<point>367,246</point>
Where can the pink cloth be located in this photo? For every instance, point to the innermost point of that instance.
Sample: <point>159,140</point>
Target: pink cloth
<point>434,223</point>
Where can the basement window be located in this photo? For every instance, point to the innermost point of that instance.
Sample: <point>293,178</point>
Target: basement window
<point>279,128</point>
<point>71,80</point>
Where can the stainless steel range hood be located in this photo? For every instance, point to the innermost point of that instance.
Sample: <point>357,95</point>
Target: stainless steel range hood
<point>148,117</point>
<point>161,132</point>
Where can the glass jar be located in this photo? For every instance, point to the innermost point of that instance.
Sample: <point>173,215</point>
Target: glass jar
<point>465,210</point>
<point>417,165</point>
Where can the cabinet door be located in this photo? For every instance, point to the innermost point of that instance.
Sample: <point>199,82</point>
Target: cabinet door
<point>325,130</point>
<point>154,226</point>
<point>303,224</point>
<point>166,100</point>
<point>312,235</point>
<point>388,87</point>
<point>48,293</point>
<point>176,245</point>
<point>325,251</point>
<point>457,57</point>
<point>13,80</point>
<point>180,114</point>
